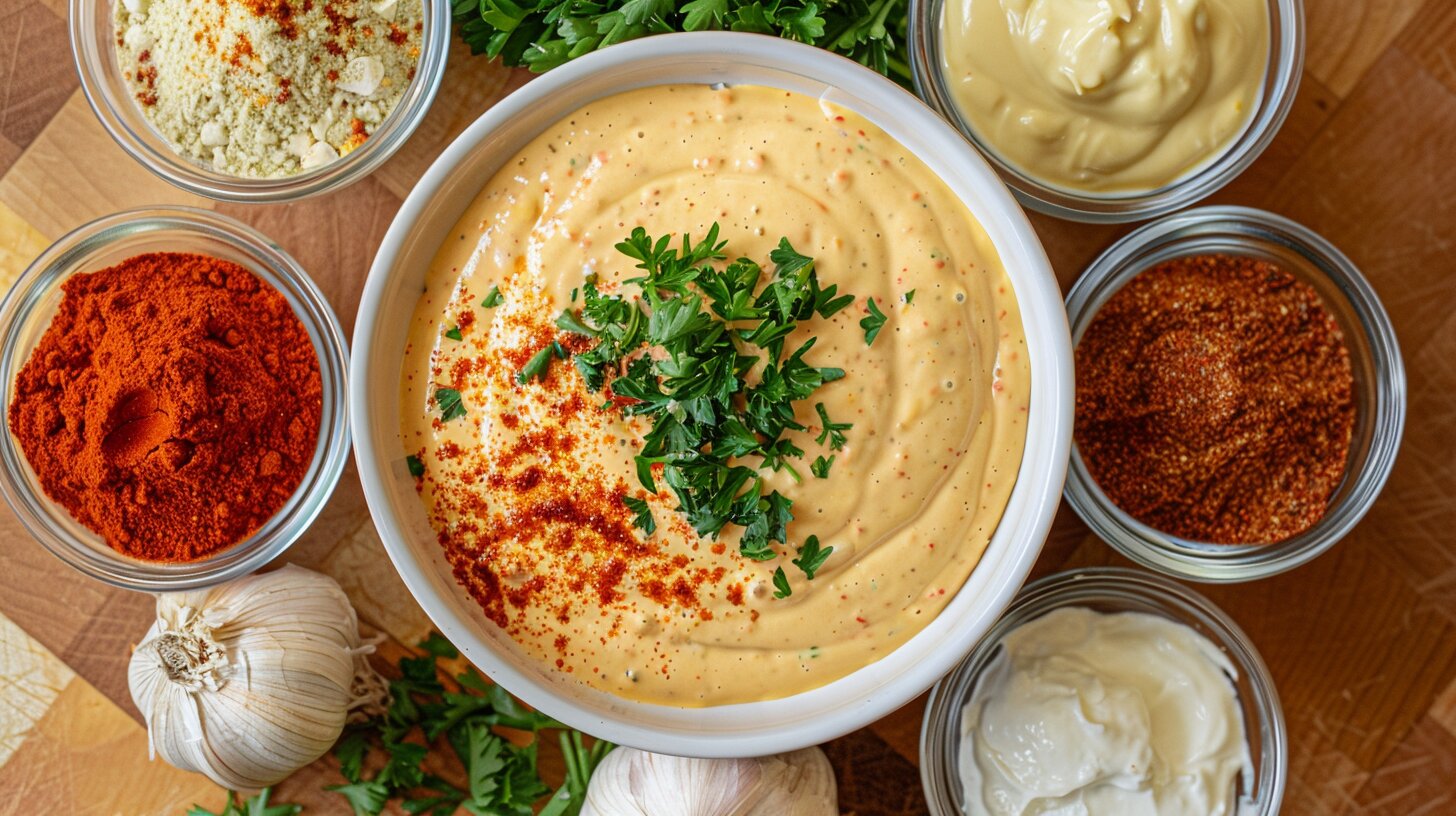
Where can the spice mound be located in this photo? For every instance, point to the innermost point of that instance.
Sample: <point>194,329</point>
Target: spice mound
<point>172,406</point>
<point>1215,401</point>
<point>267,88</point>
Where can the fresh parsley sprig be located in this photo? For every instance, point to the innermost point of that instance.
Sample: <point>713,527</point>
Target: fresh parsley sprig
<point>252,806</point>
<point>542,34</point>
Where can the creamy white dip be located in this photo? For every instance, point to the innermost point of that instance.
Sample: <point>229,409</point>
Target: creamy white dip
<point>1124,714</point>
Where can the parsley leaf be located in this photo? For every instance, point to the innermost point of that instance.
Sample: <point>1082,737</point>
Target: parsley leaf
<point>416,467</point>
<point>252,806</point>
<point>873,323</point>
<point>493,298</point>
<point>644,518</point>
<point>454,333</point>
<point>812,557</point>
<point>449,402</point>
<point>366,798</point>
<point>540,363</point>
<point>832,431</point>
<point>821,466</point>
<point>781,584</point>
<point>909,297</point>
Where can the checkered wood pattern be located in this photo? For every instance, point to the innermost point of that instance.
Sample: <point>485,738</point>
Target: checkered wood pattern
<point>1362,642</point>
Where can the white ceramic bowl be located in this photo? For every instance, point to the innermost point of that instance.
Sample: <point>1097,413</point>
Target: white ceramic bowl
<point>396,280</point>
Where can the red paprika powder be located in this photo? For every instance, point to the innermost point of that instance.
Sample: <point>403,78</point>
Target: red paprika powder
<point>172,406</point>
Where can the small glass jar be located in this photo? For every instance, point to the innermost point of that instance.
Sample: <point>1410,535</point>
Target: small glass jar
<point>25,315</point>
<point>1374,360</point>
<point>1281,83</point>
<point>93,44</point>
<point>1112,590</point>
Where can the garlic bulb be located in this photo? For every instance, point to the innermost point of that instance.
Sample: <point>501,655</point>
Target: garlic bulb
<point>635,783</point>
<point>249,681</point>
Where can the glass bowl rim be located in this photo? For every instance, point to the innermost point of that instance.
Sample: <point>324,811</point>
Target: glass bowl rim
<point>1286,67</point>
<point>37,512</point>
<point>1078,587</point>
<point>1234,563</point>
<point>187,175</point>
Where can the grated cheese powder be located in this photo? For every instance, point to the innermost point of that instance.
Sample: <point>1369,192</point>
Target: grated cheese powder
<point>267,88</point>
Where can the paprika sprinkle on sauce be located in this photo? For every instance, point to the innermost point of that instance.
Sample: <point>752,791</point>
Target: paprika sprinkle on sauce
<point>172,406</point>
<point>1215,401</point>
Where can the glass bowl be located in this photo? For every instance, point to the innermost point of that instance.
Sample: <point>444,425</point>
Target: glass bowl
<point>93,44</point>
<point>1281,82</point>
<point>1109,590</point>
<point>1374,359</point>
<point>26,313</point>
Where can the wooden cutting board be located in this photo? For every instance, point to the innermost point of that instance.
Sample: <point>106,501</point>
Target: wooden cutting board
<point>1362,642</point>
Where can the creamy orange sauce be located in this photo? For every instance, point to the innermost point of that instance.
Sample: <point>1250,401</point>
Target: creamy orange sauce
<point>525,489</point>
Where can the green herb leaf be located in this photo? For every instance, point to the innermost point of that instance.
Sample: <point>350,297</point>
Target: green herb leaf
<point>833,432</point>
<point>909,297</point>
<point>781,584</point>
<point>350,752</point>
<point>449,402</point>
<point>643,518</point>
<point>873,323</point>
<point>811,557</point>
<point>416,467</point>
<point>540,363</point>
<point>493,298</point>
<point>252,806</point>
<point>820,467</point>
<point>454,333</point>
<point>365,798</point>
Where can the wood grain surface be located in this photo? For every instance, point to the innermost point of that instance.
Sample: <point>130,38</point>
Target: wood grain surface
<point>1361,642</point>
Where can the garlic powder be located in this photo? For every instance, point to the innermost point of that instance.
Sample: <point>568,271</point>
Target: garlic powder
<point>267,88</point>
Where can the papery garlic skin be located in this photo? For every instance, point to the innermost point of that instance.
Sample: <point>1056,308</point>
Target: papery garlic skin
<point>249,681</point>
<point>629,782</point>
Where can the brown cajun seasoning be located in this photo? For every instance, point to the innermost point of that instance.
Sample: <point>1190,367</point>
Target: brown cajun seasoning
<point>1215,400</point>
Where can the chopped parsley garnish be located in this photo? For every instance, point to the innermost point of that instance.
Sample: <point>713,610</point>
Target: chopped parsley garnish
<point>812,557</point>
<point>540,363</point>
<point>909,297</point>
<point>454,333</point>
<point>820,467</point>
<point>833,432</point>
<point>644,519</point>
<point>449,402</point>
<point>416,467</point>
<point>872,323</point>
<point>493,298</point>
<point>708,326</point>
<point>781,584</point>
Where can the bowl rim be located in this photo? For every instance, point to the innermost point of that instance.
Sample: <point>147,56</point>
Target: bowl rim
<point>165,163</point>
<point>1151,548</point>
<point>1080,587</point>
<point>1281,86</point>
<point>748,729</point>
<point>331,452</point>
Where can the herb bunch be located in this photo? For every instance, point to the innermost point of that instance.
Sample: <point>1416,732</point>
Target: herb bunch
<point>542,34</point>
<point>708,328</point>
<point>502,778</point>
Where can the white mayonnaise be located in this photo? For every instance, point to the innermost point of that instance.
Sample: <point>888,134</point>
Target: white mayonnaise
<point>1123,714</point>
